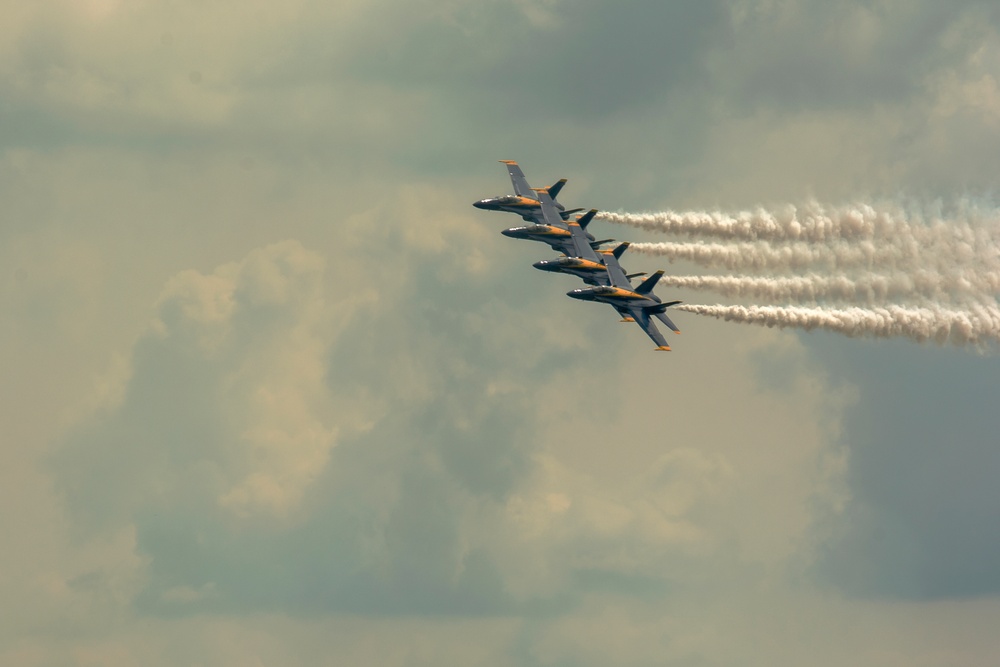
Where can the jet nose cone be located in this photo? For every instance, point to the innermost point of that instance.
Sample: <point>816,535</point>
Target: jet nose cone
<point>544,265</point>
<point>511,233</point>
<point>479,204</point>
<point>577,293</point>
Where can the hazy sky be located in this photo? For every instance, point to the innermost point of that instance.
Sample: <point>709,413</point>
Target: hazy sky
<point>273,393</point>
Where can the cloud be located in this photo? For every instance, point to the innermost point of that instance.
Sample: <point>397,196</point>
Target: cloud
<point>278,449</point>
<point>242,346</point>
<point>920,481</point>
<point>595,60</point>
<point>391,442</point>
<point>222,452</point>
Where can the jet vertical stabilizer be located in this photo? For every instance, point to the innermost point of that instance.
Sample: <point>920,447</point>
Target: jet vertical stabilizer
<point>649,283</point>
<point>620,250</point>
<point>585,219</point>
<point>556,187</point>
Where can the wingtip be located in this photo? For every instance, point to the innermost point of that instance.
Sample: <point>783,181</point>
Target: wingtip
<point>508,161</point>
<point>677,332</point>
<point>663,348</point>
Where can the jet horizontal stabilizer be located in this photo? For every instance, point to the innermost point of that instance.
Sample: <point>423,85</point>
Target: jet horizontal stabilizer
<point>597,244</point>
<point>662,307</point>
<point>635,275</point>
<point>659,311</point>
<point>666,320</point>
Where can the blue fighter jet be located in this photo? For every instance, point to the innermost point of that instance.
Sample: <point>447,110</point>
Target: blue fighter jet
<point>524,201</point>
<point>638,303</point>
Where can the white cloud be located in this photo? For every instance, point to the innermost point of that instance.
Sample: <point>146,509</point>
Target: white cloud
<point>342,447</point>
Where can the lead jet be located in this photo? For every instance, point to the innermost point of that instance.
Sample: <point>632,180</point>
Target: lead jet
<point>638,303</point>
<point>524,201</point>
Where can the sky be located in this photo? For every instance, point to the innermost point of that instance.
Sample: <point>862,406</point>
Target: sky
<point>272,392</point>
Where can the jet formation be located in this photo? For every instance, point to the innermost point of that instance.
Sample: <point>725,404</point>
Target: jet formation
<point>582,256</point>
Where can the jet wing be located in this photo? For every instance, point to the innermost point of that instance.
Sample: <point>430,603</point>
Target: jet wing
<point>578,245</point>
<point>581,244</point>
<point>521,187</point>
<point>643,320</point>
<point>563,246</point>
<point>550,214</point>
<point>533,215</point>
<point>615,272</point>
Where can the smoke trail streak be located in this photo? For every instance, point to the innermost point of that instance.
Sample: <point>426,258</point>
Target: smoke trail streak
<point>761,255</point>
<point>870,289</point>
<point>818,223</point>
<point>883,253</point>
<point>921,324</point>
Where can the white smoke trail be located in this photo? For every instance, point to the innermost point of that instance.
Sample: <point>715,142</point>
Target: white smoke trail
<point>883,253</point>
<point>901,255</point>
<point>869,289</point>
<point>762,255</point>
<point>817,223</point>
<point>974,326</point>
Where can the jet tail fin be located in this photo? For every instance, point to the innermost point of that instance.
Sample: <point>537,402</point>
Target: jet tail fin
<point>649,283</point>
<point>620,250</point>
<point>585,219</point>
<point>556,187</point>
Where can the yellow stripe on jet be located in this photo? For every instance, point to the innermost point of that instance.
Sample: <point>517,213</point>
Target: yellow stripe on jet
<point>592,266</point>
<point>625,294</point>
<point>549,231</point>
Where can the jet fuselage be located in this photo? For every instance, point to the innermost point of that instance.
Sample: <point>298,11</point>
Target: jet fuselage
<point>525,207</point>
<point>589,271</point>
<point>616,296</point>
<point>543,233</point>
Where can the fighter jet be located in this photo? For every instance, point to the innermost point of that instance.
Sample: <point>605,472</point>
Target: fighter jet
<point>589,269</point>
<point>558,233</point>
<point>582,259</point>
<point>638,303</point>
<point>591,272</point>
<point>524,201</point>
